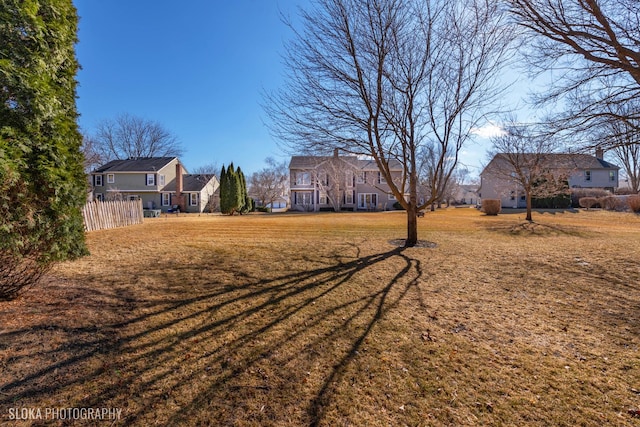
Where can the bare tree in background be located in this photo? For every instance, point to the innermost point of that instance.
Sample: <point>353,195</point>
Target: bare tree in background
<point>92,158</point>
<point>520,158</point>
<point>129,136</point>
<point>382,78</point>
<point>269,183</point>
<point>623,139</point>
<point>593,48</point>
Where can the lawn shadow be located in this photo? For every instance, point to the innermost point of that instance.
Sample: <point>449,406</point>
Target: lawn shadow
<point>248,349</point>
<point>532,228</point>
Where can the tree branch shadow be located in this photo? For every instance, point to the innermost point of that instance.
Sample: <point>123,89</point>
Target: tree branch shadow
<point>165,357</point>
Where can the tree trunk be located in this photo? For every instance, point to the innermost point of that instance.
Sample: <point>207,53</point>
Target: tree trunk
<point>528,207</point>
<point>412,226</point>
<point>412,209</point>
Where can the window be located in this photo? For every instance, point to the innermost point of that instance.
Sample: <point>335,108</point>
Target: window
<point>193,199</point>
<point>513,195</point>
<point>612,176</point>
<point>166,199</point>
<point>349,178</point>
<point>348,197</point>
<point>303,178</point>
<point>98,180</point>
<point>303,198</point>
<point>587,175</point>
<point>134,197</point>
<point>111,178</point>
<point>161,179</point>
<point>100,196</point>
<point>392,197</point>
<point>361,178</point>
<point>367,200</point>
<point>381,179</point>
<point>151,179</point>
<point>323,198</point>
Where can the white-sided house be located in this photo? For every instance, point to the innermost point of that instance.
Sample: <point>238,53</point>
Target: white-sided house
<point>154,180</point>
<point>339,182</point>
<point>582,170</point>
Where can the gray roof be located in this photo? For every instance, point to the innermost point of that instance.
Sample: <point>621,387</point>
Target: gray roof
<point>310,162</point>
<point>191,182</point>
<point>138,164</point>
<point>564,161</point>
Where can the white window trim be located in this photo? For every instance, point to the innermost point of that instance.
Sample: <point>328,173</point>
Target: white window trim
<point>111,178</point>
<point>193,199</point>
<point>323,198</point>
<point>303,178</point>
<point>99,196</point>
<point>587,175</point>
<point>98,181</point>
<point>161,180</point>
<point>349,197</point>
<point>361,177</point>
<point>166,199</point>
<point>349,178</point>
<point>392,197</point>
<point>381,179</point>
<point>362,197</point>
<point>151,180</point>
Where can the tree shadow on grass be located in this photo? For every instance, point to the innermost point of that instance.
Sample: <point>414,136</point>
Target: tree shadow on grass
<point>241,350</point>
<point>532,228</point>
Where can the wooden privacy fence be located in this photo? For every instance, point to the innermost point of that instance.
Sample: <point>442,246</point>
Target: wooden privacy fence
<point>102,215</point>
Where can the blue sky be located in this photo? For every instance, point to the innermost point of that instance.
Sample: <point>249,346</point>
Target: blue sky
<point>197,67</point>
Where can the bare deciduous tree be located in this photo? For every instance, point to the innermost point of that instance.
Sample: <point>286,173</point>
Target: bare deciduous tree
<point>521,158</point>
<point>593,47</point>
<point>129,136</point>
<point>269,183</point>
<point>382,78</point>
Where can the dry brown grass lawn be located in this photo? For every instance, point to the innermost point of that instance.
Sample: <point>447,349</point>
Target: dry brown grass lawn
<point>294,320</point>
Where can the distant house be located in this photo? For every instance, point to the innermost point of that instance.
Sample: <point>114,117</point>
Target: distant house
<point>580,170</point>
<point>160,182</point>
<point>466,194</point>
<point>339,182</point>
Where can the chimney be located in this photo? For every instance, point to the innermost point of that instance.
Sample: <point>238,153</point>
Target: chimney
<point>335,153</point>
<point>179,198</point>
<point>599,153</point>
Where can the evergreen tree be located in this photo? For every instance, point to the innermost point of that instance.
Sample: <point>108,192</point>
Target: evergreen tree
<point>245,200</point>
<point>42,182</point>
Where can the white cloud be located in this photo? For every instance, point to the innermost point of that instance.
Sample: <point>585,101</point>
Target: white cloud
<point>489,130</point>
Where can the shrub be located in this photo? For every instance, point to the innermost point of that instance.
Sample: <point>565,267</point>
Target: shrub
<point>491,206</point>
<point>588,202</point>
<point>613,203</point>
<point>634,203</point>
<point>578,193</point>
<point>397,206</point>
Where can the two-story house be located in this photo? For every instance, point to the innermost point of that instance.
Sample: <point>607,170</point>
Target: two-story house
<point>160,182</point>
<point>580,170</point>
<point>339,183</point>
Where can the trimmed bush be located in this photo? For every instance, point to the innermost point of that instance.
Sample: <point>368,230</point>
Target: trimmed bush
<point>579,193</point>
<point>614,203</point>
<point>588,202</point>
<point>491,206</point>
<point>634,203</point>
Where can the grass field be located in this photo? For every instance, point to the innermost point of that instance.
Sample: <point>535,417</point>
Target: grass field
<point>316,319</point>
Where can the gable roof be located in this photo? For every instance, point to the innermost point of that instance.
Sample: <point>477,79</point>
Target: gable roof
<point>137,164</point>
<point>567,161</point>
<point>191,183</point>
<point>311,162</point>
